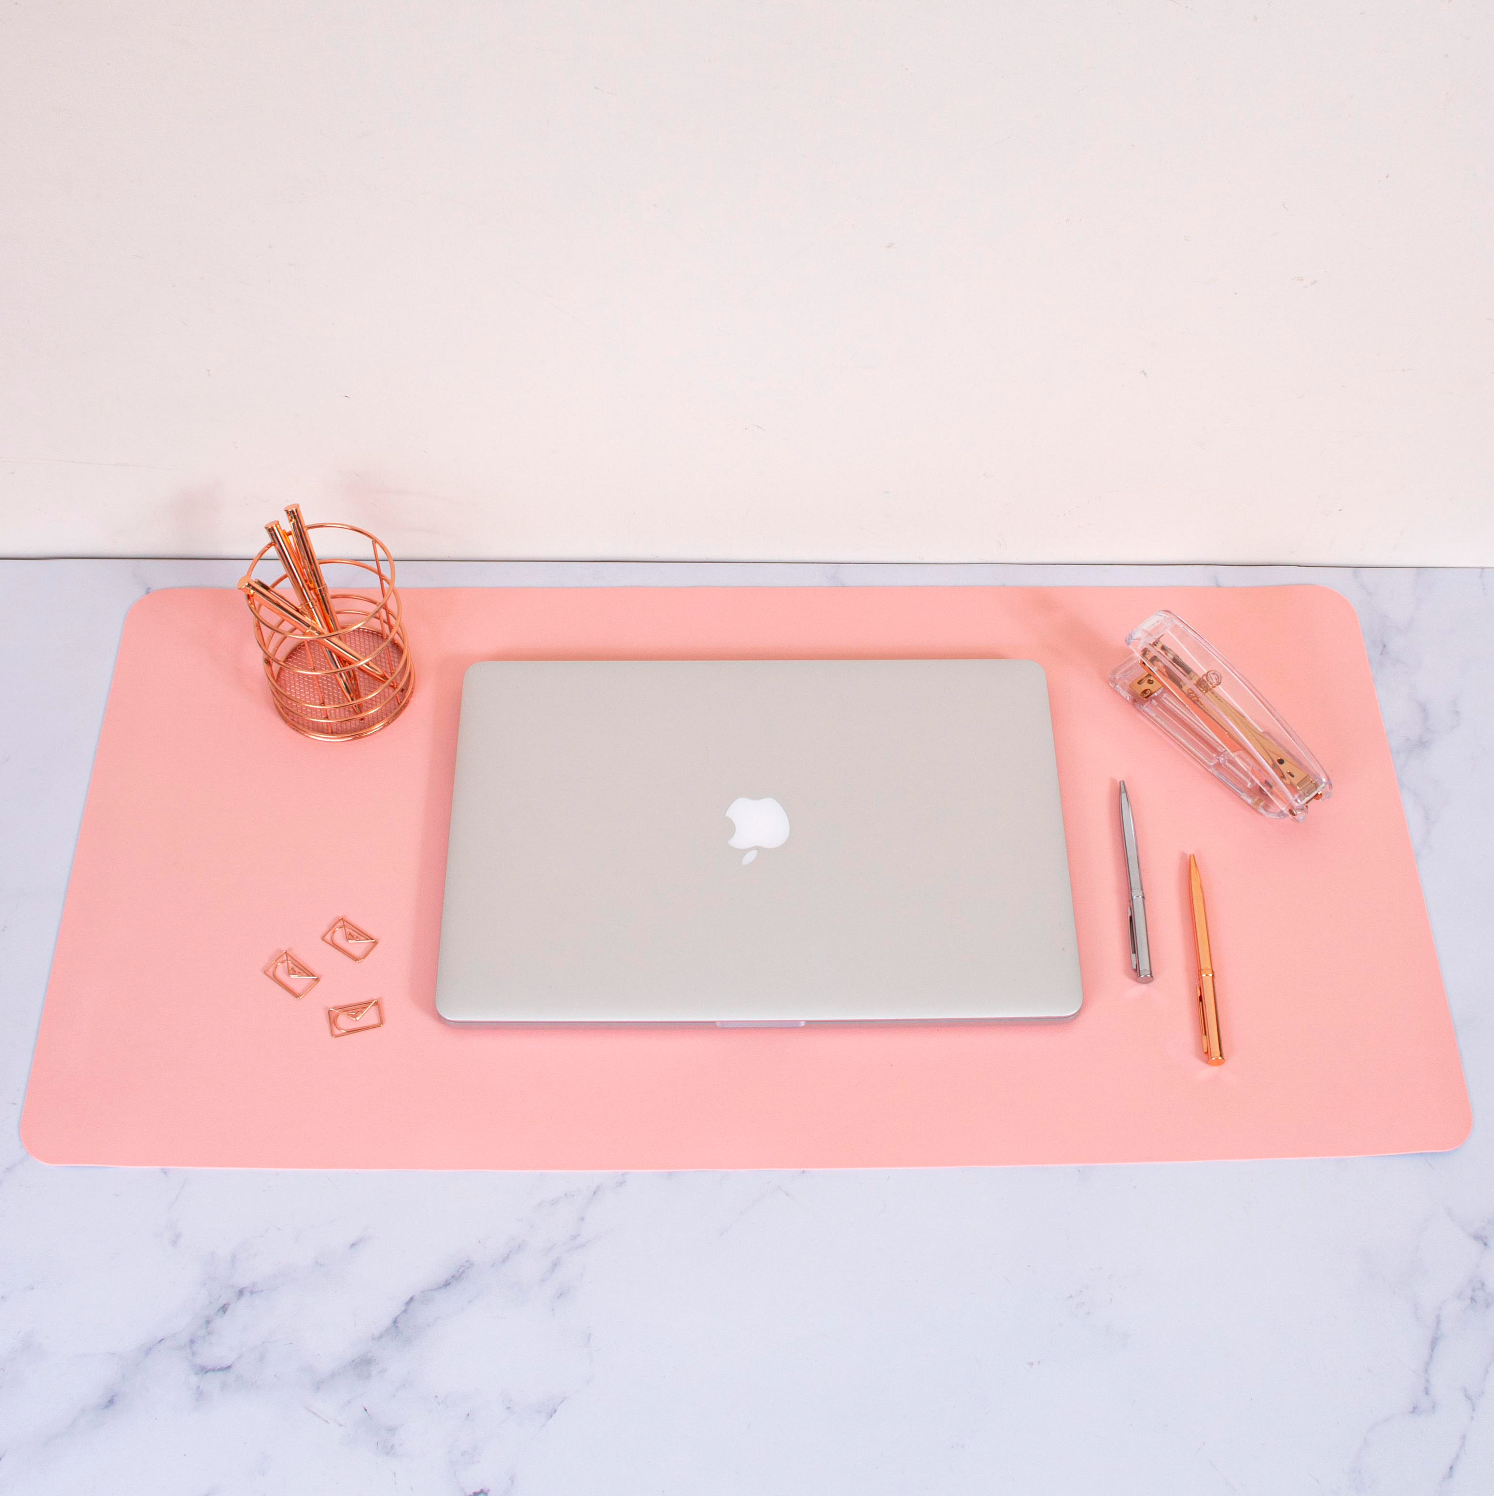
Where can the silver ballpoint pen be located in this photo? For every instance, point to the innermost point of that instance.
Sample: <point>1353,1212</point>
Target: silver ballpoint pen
<point>1141,946</point>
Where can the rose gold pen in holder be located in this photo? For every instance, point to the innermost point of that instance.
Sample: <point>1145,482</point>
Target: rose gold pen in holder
<point>337,659</point>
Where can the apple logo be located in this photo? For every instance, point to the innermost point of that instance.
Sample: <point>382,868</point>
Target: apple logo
<point>757,823</point>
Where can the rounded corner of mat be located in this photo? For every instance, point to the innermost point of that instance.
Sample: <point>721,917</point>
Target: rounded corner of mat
<point>168,600</point>
<point>39,1145</point>
<point>1331,600</point>
<point>1459,1130</point>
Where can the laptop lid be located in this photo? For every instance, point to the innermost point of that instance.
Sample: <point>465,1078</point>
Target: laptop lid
<point>756,841</point>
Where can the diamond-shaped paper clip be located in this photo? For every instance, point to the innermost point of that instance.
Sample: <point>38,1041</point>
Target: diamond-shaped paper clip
<point>355,1018</point>
<point>289,972</point>
<point>343,935</point>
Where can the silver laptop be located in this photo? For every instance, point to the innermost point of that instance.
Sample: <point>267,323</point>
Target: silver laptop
<point>756,842</point>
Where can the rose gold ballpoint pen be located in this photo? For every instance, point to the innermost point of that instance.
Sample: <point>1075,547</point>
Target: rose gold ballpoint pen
<point>314,602</point>
<point>311,570</point>
<point>1208,1001</point>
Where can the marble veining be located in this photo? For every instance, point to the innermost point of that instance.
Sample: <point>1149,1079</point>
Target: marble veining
<point>1275,1328</point>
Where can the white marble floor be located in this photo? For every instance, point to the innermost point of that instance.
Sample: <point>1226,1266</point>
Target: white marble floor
<point>1268,1328</point>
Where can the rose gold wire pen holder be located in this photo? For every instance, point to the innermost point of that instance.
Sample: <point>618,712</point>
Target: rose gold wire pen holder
<point>333,684</point>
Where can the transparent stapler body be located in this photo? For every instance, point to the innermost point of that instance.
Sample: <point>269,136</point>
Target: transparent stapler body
<point>1180,682</point>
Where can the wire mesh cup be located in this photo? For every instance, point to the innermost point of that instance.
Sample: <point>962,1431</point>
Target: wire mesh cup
<point>344,684</point>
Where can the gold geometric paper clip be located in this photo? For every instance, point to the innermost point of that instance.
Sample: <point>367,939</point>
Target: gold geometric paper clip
<point>351,936</point>
<point>286,969</point>
<point>355,1013</point>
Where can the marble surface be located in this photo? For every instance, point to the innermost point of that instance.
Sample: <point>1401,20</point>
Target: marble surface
<point>1270,1328</point>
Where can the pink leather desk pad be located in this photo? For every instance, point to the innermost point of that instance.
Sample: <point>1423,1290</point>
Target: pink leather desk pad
<point>213,836</point>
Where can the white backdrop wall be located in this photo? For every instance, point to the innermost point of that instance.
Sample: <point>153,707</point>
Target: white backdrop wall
<point>919,280</point>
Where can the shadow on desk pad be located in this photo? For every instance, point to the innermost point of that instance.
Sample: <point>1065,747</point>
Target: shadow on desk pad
<point>213,836</point>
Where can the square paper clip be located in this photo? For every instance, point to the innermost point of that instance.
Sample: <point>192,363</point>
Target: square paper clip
<point>355,1018</point>
<point>343,935</point>
<point>292,974</point>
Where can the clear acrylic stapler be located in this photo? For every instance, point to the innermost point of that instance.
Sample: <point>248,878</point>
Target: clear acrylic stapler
<point>1180,682</point>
